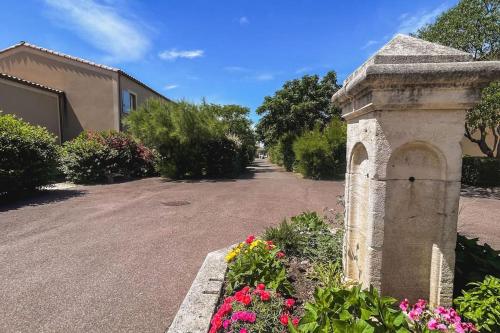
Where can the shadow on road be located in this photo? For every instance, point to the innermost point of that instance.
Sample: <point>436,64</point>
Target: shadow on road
<point>37,198</point>
<point>480,192</point>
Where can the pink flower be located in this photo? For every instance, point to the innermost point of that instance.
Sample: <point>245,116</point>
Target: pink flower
<point>289,303</point>
<point>243,330</point>
<point>284,319</point>
<point>261,286</point>
<point>265,296</point>
<point>280,255</point>
<point>414,314</point>
<point>404,305</point>
<point>432,324</point>
<point>226,323</point>
<point>250,239</point>
<point>295,321</point>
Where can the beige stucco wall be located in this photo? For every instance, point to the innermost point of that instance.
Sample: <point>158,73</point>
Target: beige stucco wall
<point>142,92</point>
<point>91,92</point>
<point>36,106</point>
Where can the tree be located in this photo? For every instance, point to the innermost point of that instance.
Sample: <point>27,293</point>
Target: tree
<point>300,105</point>
<point>486,116</point>
<point>474,26</point>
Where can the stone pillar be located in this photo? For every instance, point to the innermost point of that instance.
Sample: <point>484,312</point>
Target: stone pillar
<point>405,109</point>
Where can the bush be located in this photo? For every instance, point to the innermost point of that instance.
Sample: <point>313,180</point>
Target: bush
<point>92,157</point>
<point>282,153</point>
<point>253,262</point>
<point>191,139</point>
<point>307,236</point>
<point>473,262</point>
<point>480,171</point>
<point>351,310</point>
<point>29,156</point>
<point>481,304</point>
<point>320,154</point>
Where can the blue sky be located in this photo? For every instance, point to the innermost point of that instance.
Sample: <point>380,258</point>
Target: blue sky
<point>228,51</point>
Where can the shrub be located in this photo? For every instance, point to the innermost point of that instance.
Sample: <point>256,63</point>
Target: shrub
<point>282,153</point>
<point>350,310</point>
<point>253,310</point>
<point>328,275</point>
<point>255,261</point>
<point>481,304</point>
<point>481,171</point>
<point>307,236</point>
<point>191,139</point>
<point>320,154</point>
<point>92,157</point>
<point>473,262</point>
<point>29,156</point>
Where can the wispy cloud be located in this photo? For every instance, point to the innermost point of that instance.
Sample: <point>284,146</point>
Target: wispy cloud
<point>303,70</point>
<point>243,20</point>
<point>264,77</point>
<point>369,43</point>
<point>174,54</point>
<point>170,86</point>
<point>102,26</point>
<point>411,23</point>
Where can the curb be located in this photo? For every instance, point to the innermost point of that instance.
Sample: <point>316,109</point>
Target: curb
<point>199,304</point>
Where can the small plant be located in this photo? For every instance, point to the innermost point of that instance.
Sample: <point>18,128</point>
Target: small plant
<point>258,310</point>
<point>328,275</point>
<point>422,319</point>
<point>481,304</point>
<point>351,310</point>
<point>29,156</point>
<point>257,262</point>
<point>286,236</point>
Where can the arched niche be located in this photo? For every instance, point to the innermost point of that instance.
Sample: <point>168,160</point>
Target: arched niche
<point>356,243</point>
<point>414,211</point>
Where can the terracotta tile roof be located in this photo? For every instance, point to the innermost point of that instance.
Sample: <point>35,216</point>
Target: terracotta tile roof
<point>29,83</point>
<point>59,54</point>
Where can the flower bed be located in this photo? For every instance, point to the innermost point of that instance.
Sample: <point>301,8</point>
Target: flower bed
<point>290,280</point>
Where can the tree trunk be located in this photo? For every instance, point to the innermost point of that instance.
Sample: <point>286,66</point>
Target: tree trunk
<point>481,142</point>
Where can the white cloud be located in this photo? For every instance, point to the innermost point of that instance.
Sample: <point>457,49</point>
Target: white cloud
<point>369,43</point>
<point>411,23</point>
<point>264,77</point>
<point>236,69</point>
<point>170,86</point>
<point>243,20</point>
<point>173,54</point>
<point>102,26</point>
<point>303,70</point>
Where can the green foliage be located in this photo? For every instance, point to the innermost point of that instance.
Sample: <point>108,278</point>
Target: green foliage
<point>351,310</point>
<point>282,152</point>
<point>319,153</point>
<point>258,265</point>
<point>307,236</point>
<point>93,156</point>
<point>471,26</point>
<point>195,140</point>
<point>29,156</point>
<point>474,262</point>
<point>300,105</point>
<point>480,171</point>
<point>481,304</point>
<point>328,274</point>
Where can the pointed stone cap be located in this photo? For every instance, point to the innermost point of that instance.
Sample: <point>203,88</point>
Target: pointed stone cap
<point>408,61</point>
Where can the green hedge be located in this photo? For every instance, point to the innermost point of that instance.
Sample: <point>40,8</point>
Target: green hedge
<point>92,157</point>
<point>320,154</point>
<point>480,171</point>
<point>29,156</point>
<point>282,153</point>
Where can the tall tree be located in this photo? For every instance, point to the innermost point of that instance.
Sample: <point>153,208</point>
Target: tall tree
<point>301,104</point>
<point>474,26</point>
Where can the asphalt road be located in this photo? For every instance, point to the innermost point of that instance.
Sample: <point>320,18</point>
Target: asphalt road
<point>121,257</point>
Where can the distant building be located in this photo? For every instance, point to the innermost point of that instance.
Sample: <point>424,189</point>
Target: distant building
<point>66,94</point>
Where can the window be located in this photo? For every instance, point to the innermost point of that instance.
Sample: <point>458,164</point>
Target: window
<point>129,101</point>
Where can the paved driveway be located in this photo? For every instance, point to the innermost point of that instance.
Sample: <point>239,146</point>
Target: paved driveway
<point>120,258</point>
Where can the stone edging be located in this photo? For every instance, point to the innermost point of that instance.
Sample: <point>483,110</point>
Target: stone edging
<point>199,304</point>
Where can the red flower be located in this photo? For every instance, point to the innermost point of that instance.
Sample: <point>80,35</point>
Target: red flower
<point>289,303</point>
<point>250,239</point>
<point>284,319</point>
<point>265,296</point>
<point>261,286</point>
<point>280,255</point>
<point>295,321</point>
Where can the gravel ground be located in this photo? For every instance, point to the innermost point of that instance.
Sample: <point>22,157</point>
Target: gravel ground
<point>121,257</point>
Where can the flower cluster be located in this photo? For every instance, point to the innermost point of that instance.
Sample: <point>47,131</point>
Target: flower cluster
<point>441,319</point>
<point>249,244</point>
<point>242,311</point>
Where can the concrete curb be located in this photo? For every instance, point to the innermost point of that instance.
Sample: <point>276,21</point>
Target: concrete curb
<point>199,304</point>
